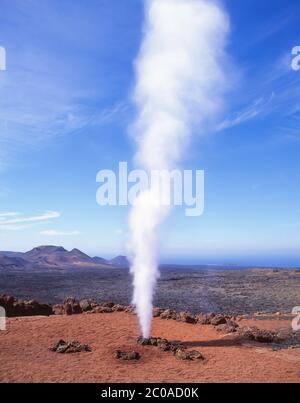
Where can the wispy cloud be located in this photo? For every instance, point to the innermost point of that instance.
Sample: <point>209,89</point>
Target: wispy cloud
<point>57,84</point>
<point>17,221</point>
<point>107,115</point>
<point>273,27</point>
<point>256,108</point>
<point>289,131</point>
<point>4,216</point>
<point>53,232</point>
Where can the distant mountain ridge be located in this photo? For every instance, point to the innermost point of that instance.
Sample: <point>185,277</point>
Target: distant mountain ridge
<point>12,261</point>
<point>48,256</point>
<point>120,261</point>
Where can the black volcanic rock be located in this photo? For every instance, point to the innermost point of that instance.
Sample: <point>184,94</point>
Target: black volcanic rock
<point>58,309</point>
<point>218,320</point>
<point>118,308</point>
<point>102,309</point>
<point>174,346</point>
<point>127,355</point>
<point>71,306</point>
<point>157,312</point>
<point>144,341</point>
<point>191,355</point>
<point>186,317</point>
<point>108,304</point>
<point>226,328</point>
<point>168,314</point>
<point>205,319</point>
<point>17,307</point>
<point>86,304</point>
<point>64,347</point>
<point>261,335</point>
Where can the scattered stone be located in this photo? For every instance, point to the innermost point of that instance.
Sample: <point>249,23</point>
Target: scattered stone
<point>58,309</point>
<point>64,347</point>
<point>204,319</point>
<point>157,312</point>
<point>186,317</point>
<point>70,300</point>
<point>226,328</point>
<point>287,338</point>
<point>127,355</point>
<point>163,344</point>
<point>153,341</point>
<point>129,309</point>
<point>118,308</point>
<point>86,305</point>
<point>175,345</point>
<point>261,335</point>
<point>71,306</point>
<point>218,320</point>
<point>18,307</point>
<point>168,314</point>
<point>143,341</point>
<point>107,304</point>
<point>102,309</point>
<point>195,355</point>
<point>188,355</point>
<point>76,309</point>
<point>68,309</point>
<point>231,322</point>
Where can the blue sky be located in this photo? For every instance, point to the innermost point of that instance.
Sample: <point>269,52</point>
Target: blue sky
<point>64,113</point>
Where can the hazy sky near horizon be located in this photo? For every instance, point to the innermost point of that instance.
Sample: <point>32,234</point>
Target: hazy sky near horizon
<point>64,115</point>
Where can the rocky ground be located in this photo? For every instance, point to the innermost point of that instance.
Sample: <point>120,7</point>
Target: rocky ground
<point>184,347</point>
<point>213,290</point>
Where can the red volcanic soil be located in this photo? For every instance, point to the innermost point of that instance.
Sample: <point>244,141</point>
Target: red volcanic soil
<point>25,355</point>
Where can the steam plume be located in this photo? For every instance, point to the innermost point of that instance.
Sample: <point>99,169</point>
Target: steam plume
<point>179,86</point>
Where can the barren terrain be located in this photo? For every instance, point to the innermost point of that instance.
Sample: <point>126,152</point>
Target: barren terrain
<point>25,355</point>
